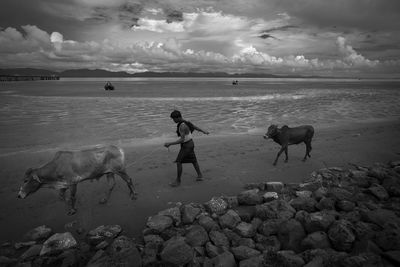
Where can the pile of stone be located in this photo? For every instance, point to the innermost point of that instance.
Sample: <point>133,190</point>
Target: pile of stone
<point>336,217</point>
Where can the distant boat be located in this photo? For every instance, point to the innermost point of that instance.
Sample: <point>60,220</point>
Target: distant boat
<point>235,82</point>
<point>108,86</point>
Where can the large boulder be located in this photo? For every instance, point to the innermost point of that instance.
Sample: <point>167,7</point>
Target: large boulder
<point>38,233</point>
<point>303,203</point>
<point>177,252</point>
<point>196,236</point>
<point>316,240</point>
<point>341,235</point>
<point>250,197</point>
<point>243,252</point>
<point>208,223</point>
<point>216,205</point>
<point>57,243</point>
<point>277,209</point>
<point>225,259</point>
<point>245,229</point>
<point>174,213</point>
<point>290,234</point>
<point>159,223</point>
<point>219,239</point>
<point>230,219</point>
<point>189,213</point>
<point>102,233</point>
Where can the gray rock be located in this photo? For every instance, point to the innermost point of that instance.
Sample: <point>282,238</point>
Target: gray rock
<point>378,191</point>
<point>20,245</point>
<point>219,239</point>
<point>270,227</point>
<point>245,229</point>
<point>102,233</point>
<point>340,194</point>
<point>159,222</point>
<point>189,213</point>
<point>57,243</point>
<point>290,234</point>
<point>275,186</point>
<point>289,258</point>
<point>252,262</point>
<point>248,242</point>
<point>216,205</point>
<point>233,237</point>
<point>38,233</point>
<point>250,197</point>
<point>124,252</point>
<point>269,243</point>
<point>277,209</point>
<point>341,235</point>
<point>393,256</point>
<point>320,193</point>
<point>304,193</point>
<point>316,240</point>
<point>177,252</point>
<point>246,213</point>
<point>345,205</point>
<point>213,251</point>
<point>225,259</point>
<point>326,203</point>
<point>230,219</point>
<point>232,201</point>
<point>208,223</point>
<point>380,217</point>
<point>242,252</point>
<point>196,236</point>
<point>32,252</point>
<point>318,221</point>
<point>269,196</point>
<point>149,255</point>
<point>388,238</point>
<point>154,239</point>
<point>303,203</point>
<point>174,213</point>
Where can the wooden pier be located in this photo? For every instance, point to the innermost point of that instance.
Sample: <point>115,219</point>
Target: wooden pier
<point>15,78</point>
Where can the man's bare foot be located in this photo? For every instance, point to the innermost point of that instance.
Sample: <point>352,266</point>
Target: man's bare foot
<point>175,184</point>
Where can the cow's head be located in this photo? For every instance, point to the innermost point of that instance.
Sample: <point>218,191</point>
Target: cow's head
<point>31,184</point>
<point>272,131</point>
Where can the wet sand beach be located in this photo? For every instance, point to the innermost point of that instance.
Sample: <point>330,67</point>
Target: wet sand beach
<point>227,162</point>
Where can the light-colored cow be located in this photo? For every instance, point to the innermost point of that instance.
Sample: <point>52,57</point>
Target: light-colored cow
<point>68,168</point>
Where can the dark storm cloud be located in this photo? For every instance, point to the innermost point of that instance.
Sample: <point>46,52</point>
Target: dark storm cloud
<point>173,15</point>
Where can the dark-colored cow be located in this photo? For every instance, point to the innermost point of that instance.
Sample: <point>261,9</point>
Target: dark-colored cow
<point>68,168</point>
<point>286,136</point>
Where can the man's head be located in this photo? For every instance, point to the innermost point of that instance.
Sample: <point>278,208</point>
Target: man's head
<point>176,115</point>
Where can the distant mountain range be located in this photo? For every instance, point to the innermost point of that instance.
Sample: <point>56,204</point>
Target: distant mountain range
<point>108,74</point>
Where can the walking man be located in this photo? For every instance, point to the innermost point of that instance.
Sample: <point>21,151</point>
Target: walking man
<point>186,154</point>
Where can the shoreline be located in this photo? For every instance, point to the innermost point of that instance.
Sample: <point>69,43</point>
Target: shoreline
<point>227,162</point>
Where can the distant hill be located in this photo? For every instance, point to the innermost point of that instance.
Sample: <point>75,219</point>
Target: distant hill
<point>27,72</point>
<point>105,74</point>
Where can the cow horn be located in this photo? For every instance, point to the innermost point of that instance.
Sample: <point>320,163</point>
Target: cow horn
<point>36,177</point>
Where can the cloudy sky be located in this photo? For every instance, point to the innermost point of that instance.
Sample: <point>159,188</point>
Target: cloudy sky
<point>308,37</point>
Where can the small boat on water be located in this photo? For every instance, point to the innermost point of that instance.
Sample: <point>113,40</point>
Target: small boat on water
<point>235,82</point>
<point>108,86</point>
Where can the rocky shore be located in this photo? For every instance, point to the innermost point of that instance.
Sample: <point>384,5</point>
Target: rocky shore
<point>337,217</point>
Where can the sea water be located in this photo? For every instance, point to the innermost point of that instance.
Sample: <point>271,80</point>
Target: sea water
<point>75,113</point>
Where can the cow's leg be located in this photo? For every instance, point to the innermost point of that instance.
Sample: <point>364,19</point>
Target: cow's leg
<point>308,149</point>
<point>279,154</point>
<point>286,154</point>
<point>61,194</point>
<point>128,180</point>
<point>111,185</point>
<point>72,199</point>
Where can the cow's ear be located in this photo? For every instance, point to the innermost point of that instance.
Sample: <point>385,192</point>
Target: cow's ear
<point>35,177</point>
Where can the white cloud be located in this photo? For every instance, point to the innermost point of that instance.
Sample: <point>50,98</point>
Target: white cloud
<point>351,57</point>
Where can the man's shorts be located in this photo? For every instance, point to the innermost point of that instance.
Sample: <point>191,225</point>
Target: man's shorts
<point>186,154</point>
